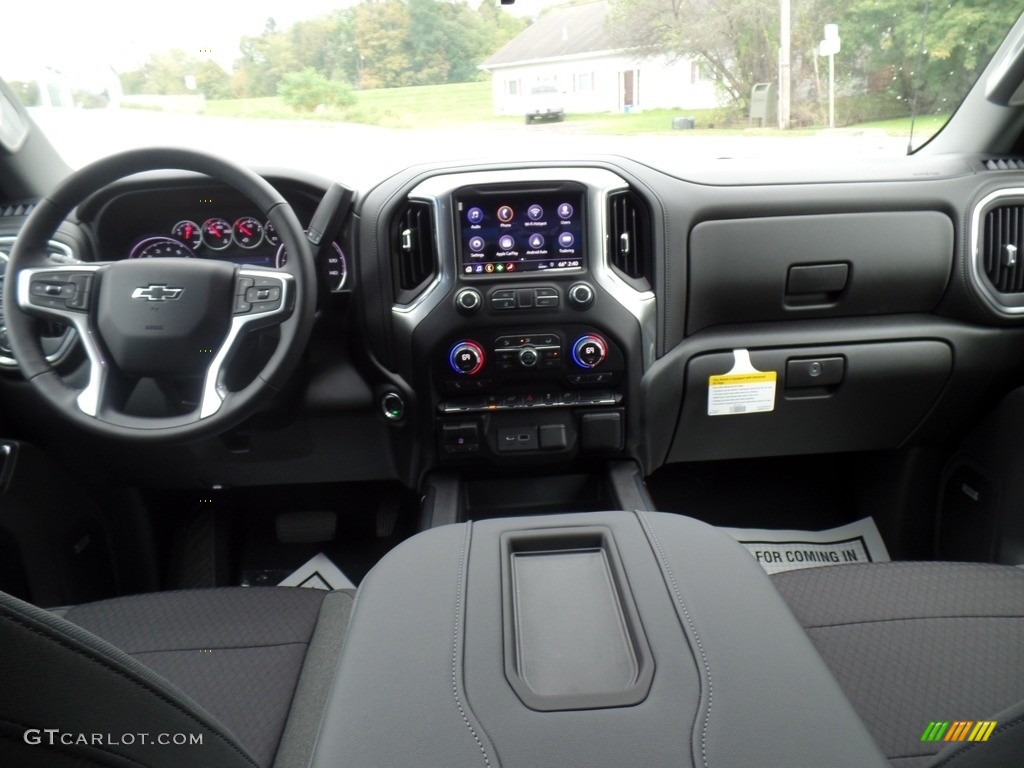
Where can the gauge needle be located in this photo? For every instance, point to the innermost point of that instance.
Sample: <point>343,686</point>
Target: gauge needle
<point>245,231</point>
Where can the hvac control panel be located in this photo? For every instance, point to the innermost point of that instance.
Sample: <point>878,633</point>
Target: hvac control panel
<point>529,391</point>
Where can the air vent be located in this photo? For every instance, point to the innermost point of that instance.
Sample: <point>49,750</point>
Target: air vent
<point>629,231</point>
<point>15,209</point>
<point>1004,164</point>
<point>413,251</point>
<point>1001,250</point>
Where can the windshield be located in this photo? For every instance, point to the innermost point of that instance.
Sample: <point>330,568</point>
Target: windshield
<point>353,88</point>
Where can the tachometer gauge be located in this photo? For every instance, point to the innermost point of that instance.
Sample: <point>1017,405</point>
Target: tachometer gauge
<point>248,232</point>
<point>216,234</point>
<point>333,266</point>
<point>159,248</point>
<point>271,234</point>
<point>188,232</point>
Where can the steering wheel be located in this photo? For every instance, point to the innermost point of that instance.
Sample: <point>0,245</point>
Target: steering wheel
<point>166,319</point>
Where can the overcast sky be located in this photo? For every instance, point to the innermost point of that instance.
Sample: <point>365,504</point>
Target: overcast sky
<point>72,34</point>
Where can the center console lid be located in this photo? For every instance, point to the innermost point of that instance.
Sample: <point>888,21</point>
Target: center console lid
<point>601,639</point>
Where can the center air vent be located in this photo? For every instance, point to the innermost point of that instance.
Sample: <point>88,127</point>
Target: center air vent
<point>1001,250</point>
<point>629,232</point>
<point>1003,164</point>
<point>413,251</point>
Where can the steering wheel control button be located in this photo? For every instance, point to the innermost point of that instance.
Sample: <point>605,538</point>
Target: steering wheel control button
<point>581,296</point>
<point>589,351</point>
<point>60,290</point>
<point>466,358</point>
<point>263,293</point>
<point>468,301</point>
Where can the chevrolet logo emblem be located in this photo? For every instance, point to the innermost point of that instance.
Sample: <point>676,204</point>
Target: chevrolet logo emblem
<point>157,293</point>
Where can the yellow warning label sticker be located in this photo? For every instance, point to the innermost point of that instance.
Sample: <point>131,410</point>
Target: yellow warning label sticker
<point>730,394</point>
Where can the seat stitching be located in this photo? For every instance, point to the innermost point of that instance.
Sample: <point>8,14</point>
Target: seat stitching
<point>667,570</point>
<point>87,654</point>
<point>460,585</point>
<point>909,618</point>
<point>218,648</point>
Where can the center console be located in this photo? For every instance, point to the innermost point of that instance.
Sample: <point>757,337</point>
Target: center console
<point>529,347</point>
<point>601,639</point>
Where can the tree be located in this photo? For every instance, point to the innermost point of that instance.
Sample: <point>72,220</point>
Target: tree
<point>892,51</point>
<point>306,90</point>
<point>165,73</point>
<point>737,39</point>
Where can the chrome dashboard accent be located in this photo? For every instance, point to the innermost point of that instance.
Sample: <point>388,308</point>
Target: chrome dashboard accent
<point>599,183</point>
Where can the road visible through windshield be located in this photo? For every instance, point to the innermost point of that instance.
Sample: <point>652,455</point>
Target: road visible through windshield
<point>359,154</point>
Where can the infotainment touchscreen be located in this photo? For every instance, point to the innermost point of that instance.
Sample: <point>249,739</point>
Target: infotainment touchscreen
<point>505,232</point>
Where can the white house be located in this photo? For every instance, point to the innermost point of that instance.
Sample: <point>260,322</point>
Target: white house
<point>570,47</point>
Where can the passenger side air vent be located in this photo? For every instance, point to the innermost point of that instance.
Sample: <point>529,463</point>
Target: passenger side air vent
<point>629,232</point>
<point>413,251</point>
<point>1004,164</point>
<point>1001,250</point>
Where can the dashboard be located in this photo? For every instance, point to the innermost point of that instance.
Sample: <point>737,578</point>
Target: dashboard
<point>546,317</point>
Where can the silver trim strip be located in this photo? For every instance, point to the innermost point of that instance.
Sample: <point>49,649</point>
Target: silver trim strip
<point>437,191</point>
<point>977,271</point>
<point>88,398</point>
<point>67,341</point>
<point>214,390</point>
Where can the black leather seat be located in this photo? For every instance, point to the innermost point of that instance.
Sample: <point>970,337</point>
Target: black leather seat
<point>913,643</point>
<point>243,671</point>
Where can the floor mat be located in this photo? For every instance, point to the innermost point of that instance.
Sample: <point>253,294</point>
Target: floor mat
<point>777,550</point>
<point>319,572</point>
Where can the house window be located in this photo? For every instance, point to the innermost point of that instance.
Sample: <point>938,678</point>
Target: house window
<point>512,87</point>
<point>585,81</point>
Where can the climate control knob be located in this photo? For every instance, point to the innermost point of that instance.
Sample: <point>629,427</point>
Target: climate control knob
<point>466,358</point>
<point>589,351</point>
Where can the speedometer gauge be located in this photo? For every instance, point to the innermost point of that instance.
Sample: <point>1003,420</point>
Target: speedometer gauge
<point>248,232</point>
<point>216,234</point>
<point>159,248</point>
<point>188,232</point>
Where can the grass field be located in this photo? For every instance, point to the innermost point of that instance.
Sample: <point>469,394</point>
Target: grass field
<point>437,106</point>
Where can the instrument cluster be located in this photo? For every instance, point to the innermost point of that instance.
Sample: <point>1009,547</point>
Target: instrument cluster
<point>245,240</point>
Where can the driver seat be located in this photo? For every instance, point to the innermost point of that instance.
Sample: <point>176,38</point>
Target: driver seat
<point>104,684</point>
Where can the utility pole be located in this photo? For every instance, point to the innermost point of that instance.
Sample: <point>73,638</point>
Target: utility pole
<point>785,59</point>
<point>830,46</point>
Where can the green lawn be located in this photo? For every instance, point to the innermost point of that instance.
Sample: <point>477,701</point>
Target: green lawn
<point>434,106</point>
<point>422,106</point>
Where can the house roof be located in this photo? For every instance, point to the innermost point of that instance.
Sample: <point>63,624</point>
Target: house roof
<point>566,30</point>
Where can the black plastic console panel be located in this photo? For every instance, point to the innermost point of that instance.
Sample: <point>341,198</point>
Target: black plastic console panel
<point>842,265</point>
<point>705,664</point>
